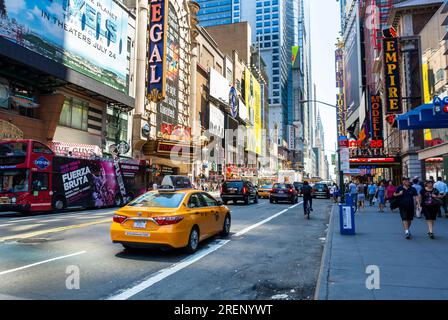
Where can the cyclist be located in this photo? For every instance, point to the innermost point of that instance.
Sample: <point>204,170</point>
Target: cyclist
<point>307,197</point>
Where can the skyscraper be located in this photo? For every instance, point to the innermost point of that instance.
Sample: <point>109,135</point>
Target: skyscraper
<point>275,29</point>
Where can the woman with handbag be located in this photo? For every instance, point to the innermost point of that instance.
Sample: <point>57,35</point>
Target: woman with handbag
<point>430,201</point>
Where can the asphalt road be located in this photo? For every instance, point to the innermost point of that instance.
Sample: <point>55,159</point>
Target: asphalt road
<point>273,253</point>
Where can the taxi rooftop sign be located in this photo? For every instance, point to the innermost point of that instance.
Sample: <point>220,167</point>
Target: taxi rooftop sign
<point>157,33</point>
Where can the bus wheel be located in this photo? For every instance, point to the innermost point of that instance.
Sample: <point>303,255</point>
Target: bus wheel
<point>58,203</point>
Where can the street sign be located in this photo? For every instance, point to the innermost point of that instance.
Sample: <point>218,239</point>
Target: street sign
<point>345,159</point>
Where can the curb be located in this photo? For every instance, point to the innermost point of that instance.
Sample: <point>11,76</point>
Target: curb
<point>321,291</point>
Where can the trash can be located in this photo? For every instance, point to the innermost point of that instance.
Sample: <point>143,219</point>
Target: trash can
<point>346,219</point>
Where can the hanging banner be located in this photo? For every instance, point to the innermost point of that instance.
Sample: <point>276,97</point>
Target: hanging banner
<point>376,117</point>
<point>157,29</point>
<point>392,76</point>
<point>341,114</point>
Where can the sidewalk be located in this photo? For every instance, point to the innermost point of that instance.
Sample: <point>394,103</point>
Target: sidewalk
<point>409,269</point>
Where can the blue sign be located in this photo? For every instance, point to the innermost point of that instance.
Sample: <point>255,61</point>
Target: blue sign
<point>157,28</point>
<point>42,163</point>
<point>233,102</point>
<point>437,101</point>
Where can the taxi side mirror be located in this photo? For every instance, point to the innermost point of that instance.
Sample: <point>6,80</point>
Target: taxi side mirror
<point>220,203</point>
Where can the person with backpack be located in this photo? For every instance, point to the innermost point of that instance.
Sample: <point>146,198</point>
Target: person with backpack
<point>430,201</point>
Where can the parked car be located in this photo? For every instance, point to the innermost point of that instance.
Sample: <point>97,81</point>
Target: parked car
<point>298,186</point>
<point>239,190</point>
<point>283,192</point>
<point>321,190</point>
<point>265,191</point>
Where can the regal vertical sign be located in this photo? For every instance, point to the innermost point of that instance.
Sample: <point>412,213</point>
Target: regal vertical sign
<point>157,34</point>
<point>340,97</point>
<point>392,76</point>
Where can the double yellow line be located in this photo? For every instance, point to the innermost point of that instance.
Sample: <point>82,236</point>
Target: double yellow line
<point>54,230</point>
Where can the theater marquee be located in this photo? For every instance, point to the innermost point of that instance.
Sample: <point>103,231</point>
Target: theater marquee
<point>157,32</point>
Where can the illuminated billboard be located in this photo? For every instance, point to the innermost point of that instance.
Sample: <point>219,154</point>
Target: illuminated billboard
<point>89,37</point>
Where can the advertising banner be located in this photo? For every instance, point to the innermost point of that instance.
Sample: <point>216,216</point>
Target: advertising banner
<point>89,37</point>
<point>157,56</point>
<point>216,124</point>
<point>219,87</point>
<point>352,68</point>
<point>253,103</point>
<point>341,114</point>
<point>392,76</point>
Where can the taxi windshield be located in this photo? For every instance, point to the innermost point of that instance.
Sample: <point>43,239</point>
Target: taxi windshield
<point>158,200</point>
<point>14,180</point>
<point>266,187</point>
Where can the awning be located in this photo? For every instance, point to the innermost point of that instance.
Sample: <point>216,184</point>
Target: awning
<point>423,117</point>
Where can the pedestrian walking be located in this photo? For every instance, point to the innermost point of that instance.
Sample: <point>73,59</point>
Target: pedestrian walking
<point>335,190</point>
<point>430,201</point>
<point>381,196</point>
<point>360,189</point>
<point>406,196</point>
<point>353,193</point>
<point>390,190</point>
<point>443,190</point>
<point>372,191</point>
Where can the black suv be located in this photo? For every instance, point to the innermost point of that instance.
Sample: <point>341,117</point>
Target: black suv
<point>238,190</point>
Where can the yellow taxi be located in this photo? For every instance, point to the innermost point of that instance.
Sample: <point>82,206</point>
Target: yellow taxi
<point>171,217</point>
<point>264,191</point>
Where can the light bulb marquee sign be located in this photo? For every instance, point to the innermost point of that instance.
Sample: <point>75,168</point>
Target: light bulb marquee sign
<point>157,34</point>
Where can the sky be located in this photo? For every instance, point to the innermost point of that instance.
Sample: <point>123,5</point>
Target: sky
<point>325,27</point>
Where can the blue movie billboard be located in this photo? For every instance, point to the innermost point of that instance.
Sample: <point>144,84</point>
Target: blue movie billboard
<point>88,36</point>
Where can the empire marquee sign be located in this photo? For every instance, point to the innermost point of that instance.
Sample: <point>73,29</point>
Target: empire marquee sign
<point>157,33</point>
<point>392,76</point>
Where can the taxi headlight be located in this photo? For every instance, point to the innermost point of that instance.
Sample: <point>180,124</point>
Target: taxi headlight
<point>13,200</point>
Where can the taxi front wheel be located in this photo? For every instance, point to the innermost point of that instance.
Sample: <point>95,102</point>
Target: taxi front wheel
<point>193,240</point>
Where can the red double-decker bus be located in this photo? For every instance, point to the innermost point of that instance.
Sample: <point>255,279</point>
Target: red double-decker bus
<point>33,178</point>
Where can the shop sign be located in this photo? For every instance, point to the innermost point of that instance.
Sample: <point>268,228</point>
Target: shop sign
<point>376,118</point>
<point>392,76</point>
<point>353,143</point>
<point>379,160</point>
<point>185,150</point>
<point>76,149</point>
<point>157,28</point>
<point>233,101</point>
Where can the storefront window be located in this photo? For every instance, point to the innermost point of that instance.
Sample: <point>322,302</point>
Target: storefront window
<point>74,114</point>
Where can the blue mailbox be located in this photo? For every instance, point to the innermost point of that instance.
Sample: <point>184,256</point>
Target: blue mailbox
<point>347,216</point>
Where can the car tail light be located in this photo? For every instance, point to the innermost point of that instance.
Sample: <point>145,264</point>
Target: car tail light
<point>119,219</point>
<point>273,190</point>
<point>244,190</point>
<point>291,190</point>
<point>165,221</point>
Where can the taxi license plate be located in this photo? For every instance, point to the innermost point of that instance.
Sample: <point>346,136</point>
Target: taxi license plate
<point>140,224</point>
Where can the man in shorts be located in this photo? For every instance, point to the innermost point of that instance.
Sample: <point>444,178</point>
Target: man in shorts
<point>407,197</point>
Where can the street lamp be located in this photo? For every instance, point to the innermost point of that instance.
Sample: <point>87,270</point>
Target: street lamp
<point>341,174</point>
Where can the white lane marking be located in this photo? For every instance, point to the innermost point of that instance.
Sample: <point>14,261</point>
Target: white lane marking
<point>6,224</point>
<point>164,273</point>
<point>246,230</point>
<point>41,262</point>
